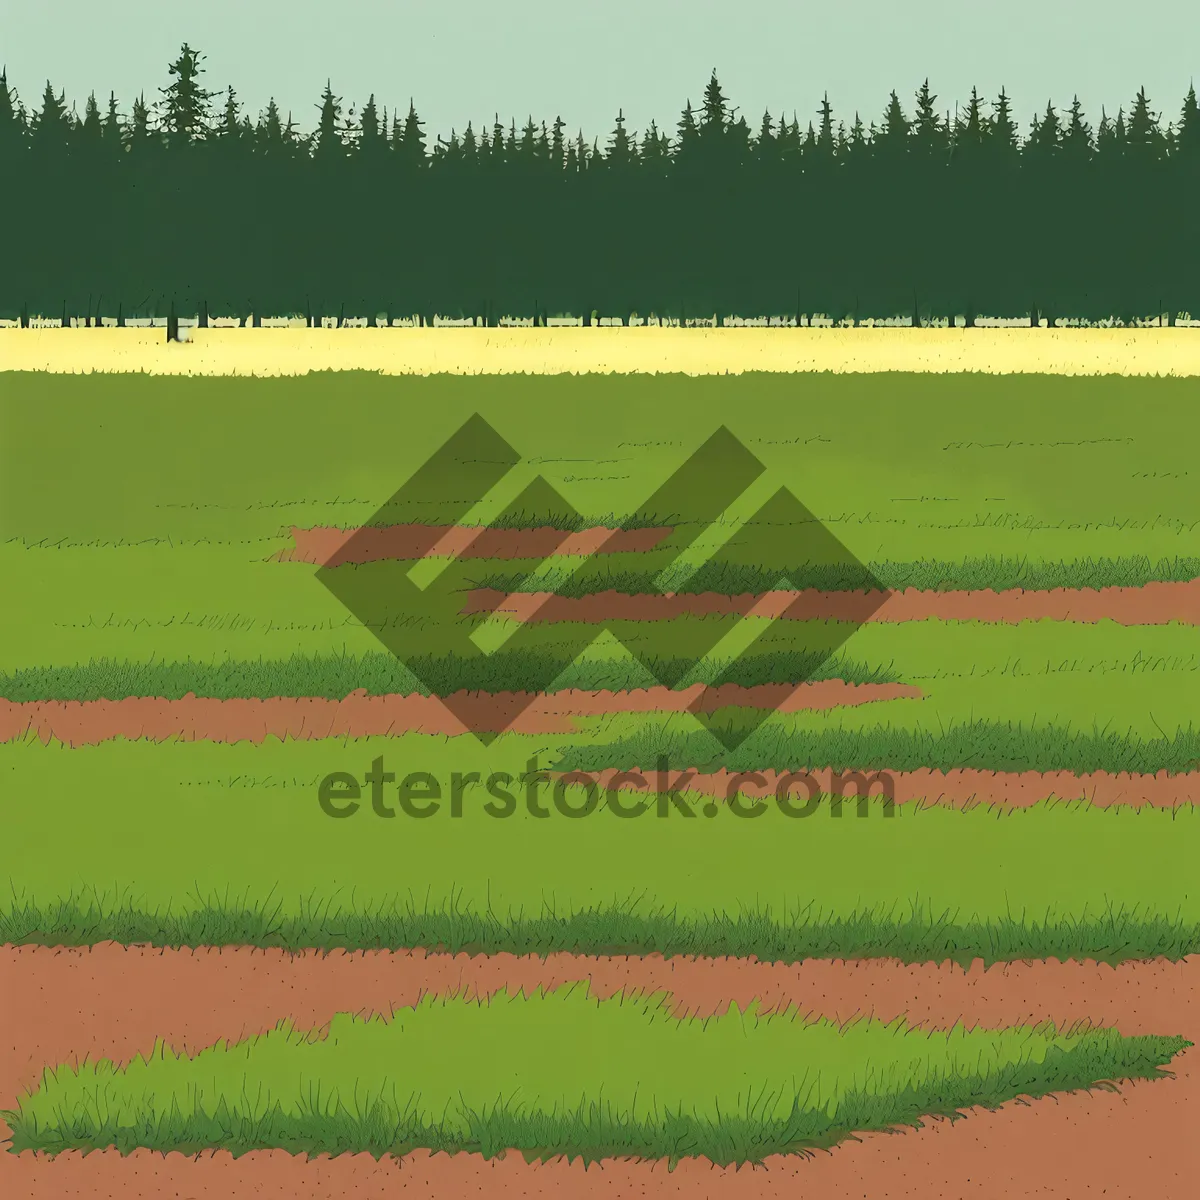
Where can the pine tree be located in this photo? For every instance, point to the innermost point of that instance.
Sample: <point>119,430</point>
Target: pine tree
<point>12,117</point>
<point>372,142</point>
<point>470,149</point>
<point>1077,137</point>
<point>269,132</point>
<point>497,156</point>
<point>112,126</point>
<point>141,136</point>
<point>1002,131</point>
<point>92,128</point>
<point>185,104</point>
<point>824,141</point>
<point>1187,136</point>
<point>1045,138</point>
<point>688,133</point>
<point>892,142</point>
<point>229,127</point>
<point>766,145</point>
<point>527,146</point>
<point>412,140</point>
<point>1142,137</point>
<point>929,135</point>
<point>655,152</point>
<point>510,143</point>
<point>858,140</point>
<point>557,152</point>
<point>715,114</point>
<point>971,129</point>
<point>50,131</point>
<point>619,151</point>
<point>328,144</point>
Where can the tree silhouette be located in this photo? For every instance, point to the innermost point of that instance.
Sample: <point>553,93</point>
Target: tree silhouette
<point>619,154</point>
<point>978,218</point>
<point>185,103</point>
<point>328,143</point>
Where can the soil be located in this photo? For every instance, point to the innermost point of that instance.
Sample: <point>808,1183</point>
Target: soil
<point>1151,604</point>
<point>197,718</point>
<point>333,547</point>
<point>109,1001</point>
<point>958,787</point>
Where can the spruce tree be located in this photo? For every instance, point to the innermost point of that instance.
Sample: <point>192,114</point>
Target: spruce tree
<point>51,126</point>
<point>892,142</point>
<point>1187,136</point>
<point>112,126</point>
<point>327,141</point>
<point>688,134</point>
<point>1045,137</point>
<point>185,103</point>
<point>929,136</point>
<point>824,144</point>
<point>1142,137</point>
<point>92,128</point>
<point>619,154</point>
<point>557,151</point>
<point>412,140</point>
<point>470,148</point>
<point>1002,132</point>
<point>372,141</point>
<point>1077,136</point>
<point>12,123</point>
<point>715,113</point>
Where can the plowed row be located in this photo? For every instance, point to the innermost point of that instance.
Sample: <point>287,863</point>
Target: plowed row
<point>197,718</point>
<point>1157,603</point>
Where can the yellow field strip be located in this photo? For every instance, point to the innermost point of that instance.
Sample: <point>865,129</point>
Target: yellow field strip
<point>1168,351</point>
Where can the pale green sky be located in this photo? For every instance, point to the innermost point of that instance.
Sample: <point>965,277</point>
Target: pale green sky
<point>464,59</point>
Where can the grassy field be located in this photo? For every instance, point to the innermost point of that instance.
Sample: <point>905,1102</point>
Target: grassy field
<point>564,1073</point>
<point>145,527</point>
<point>164,843</point>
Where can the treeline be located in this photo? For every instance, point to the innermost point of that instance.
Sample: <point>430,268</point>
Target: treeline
<point>188,201</point>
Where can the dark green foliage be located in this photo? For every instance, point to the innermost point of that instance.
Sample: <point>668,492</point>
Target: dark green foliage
<point>968,228</point>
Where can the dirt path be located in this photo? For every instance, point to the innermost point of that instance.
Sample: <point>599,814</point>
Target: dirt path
<point>957,787</point>
<point>1151,604</point>
<point>83,722</point>
<point>110,1001</point>
<point>332,547</point>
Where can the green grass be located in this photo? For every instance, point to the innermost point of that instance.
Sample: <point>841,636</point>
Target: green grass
<point>980,744</point>
<point>562,1072</point>
<point>335,677</point>
<point>904,466</point>
<point>128,837</point>
<point>921,937</point>
<point>737,579</point>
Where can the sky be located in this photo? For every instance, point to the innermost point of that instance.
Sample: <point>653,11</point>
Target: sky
<point>463,60</point>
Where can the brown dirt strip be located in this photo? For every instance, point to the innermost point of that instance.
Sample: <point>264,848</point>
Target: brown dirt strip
<point>1156,603</point>
<point>957,787</point>
<point>111,1002</point>
<point>332,547</point>
<point>197,718</point>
